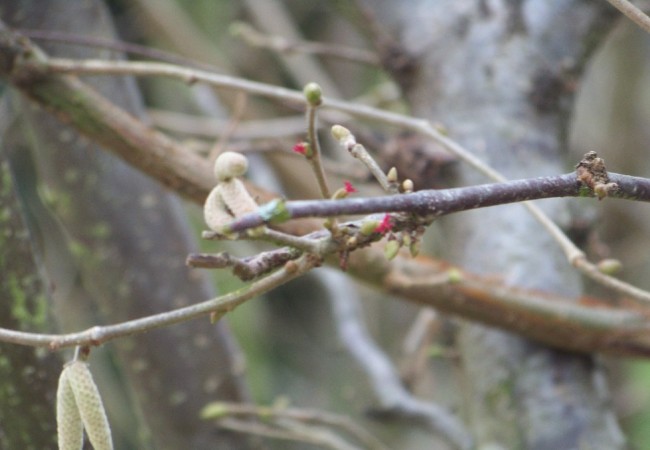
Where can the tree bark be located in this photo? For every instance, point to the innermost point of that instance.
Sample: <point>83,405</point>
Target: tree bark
<point>500,75</point>
<point>125,244</point>
<point>28,376</point>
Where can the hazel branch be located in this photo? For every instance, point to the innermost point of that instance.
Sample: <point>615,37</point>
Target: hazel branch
<point>441,202</point>
<point>633,13</point>
<point>219,410</point>
<point>425,202</point>
<point>248,268</point>
<point>392,397</point>
<point>348,142</point>
<point>314,98</point>
<point>281,44</point>
<point>220,305</point>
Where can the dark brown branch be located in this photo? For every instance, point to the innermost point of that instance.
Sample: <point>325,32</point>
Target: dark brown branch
<point>246,269</point>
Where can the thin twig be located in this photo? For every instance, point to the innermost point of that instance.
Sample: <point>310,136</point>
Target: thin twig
<point>281,44</point>
<point>633,13</point>
<point>225,303</point>
<point>349,142</point>
<point>238,110</point>
<point>385,381</point>
<point>315,247</point>
<point>310,436</point>
<point>276,17</point>
<point>246,269</point>
<point>115,45</point>
<point>314,156</point>
<point>308,416</point>
<point>211,127</point>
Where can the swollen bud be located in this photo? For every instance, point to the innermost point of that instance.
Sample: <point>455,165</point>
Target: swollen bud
<point>368,227</point>
<point>391,249</point>
<point>340,133</point>
<point>455,276</point>
<point>392,175</point>
<point>610,266</point>
<point>313,94</point>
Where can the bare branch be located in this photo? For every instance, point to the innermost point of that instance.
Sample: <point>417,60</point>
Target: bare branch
<point>281,44</point>
<point>633,13</point>
<point>439,202</point>
<point>246,269</point>
<point>225,303</point>
<point>393,398</point>
<point>219,410</point>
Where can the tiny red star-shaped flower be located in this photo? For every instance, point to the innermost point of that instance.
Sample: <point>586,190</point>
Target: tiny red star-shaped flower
<point>385,225</point>
<point>300,148</point>
<point>348,187</point>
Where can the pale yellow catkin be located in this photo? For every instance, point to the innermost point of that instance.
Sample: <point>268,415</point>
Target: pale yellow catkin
<point>90,406</point>
<point>68,421</point>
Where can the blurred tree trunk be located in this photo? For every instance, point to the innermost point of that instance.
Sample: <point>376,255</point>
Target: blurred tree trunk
<point>28,376</point>
<point>115,250</point>
<point>500,76</point>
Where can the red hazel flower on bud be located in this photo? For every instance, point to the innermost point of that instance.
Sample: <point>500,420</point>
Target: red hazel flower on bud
<point>349,188</point>
<point>302,148</point>
<point>385,225</point>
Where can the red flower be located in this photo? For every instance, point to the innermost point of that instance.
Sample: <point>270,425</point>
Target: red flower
<point>349,189</point>
<point>301,148</point>
<point>385,225</point>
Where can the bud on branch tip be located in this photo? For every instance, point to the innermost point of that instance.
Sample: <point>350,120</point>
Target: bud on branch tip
<point>313,94</point>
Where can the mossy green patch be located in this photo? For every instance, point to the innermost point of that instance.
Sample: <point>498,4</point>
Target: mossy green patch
<point>29,310</point>
<point>100,230</point>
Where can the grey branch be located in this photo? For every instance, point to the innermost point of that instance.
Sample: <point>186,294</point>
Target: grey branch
<point>446,201</point>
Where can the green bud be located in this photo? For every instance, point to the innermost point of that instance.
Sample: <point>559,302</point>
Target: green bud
<point>610,266</point>
<point>340,194</point>
<point>414,248</point>
<point>313,94</point>
<point>455,276</point>
<point>391,249</point>
<point>436,351</point>
<point>237,29</point>
<point>256,232</point>
<point>214,410</point>
<point>368,227</point>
